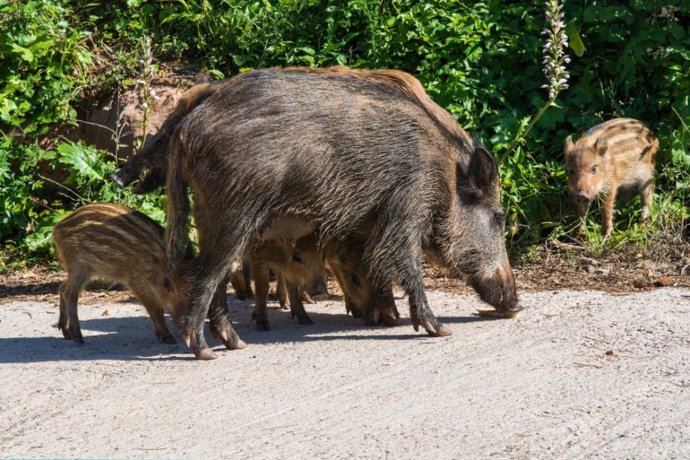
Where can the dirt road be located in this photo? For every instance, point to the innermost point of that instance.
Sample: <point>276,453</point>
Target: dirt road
<point>577,374</point>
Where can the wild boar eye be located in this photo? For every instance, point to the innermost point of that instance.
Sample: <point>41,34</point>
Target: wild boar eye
<point>594,169</point>
<point>296,257</point>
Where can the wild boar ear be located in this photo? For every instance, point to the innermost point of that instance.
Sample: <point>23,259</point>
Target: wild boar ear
<point>601,145</point>
<point>569,147</point>
<point>482,169</point>
<point>569,142</point>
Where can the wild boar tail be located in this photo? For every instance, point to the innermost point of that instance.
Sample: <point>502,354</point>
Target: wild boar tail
<point>192,98</point>
<point>177,207</point>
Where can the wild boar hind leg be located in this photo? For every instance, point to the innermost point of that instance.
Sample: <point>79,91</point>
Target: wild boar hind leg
<point>205,282</point>
<point>68,322</point>
<point>646,198</point>
<point>221,326</point>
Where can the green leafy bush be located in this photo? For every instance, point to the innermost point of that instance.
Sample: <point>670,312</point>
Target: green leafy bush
<point>481,60</point>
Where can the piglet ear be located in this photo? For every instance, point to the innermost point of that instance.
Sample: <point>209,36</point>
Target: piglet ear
<point>482,169</point>
<point>601,145</point>
<point>569,143</point>
<point>569,146</point>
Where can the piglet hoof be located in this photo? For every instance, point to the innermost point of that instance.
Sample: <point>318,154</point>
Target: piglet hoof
<point>304,319</point>
<point>390,320</point>
<point>205,354</point>
<point>387,316</point>
<point>306,298</point>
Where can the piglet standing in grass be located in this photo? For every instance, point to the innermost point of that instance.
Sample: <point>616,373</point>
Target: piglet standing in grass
<point>615,157</point>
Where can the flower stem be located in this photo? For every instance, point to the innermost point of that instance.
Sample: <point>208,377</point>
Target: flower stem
<point>532,122</point>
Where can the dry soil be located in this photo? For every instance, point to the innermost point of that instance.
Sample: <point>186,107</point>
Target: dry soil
<point>579,374</point>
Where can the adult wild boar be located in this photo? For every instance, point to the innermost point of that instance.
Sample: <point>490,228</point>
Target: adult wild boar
<point>615,156</point>
<point>116,243</point>
<point>338,150</point>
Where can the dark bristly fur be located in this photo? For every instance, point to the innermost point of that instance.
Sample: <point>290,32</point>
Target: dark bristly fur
<point>115,243</point>
<point>342,150</point>
<point>615,156</point>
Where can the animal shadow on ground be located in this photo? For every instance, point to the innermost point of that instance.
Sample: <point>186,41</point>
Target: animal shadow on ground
<point>49,287</point>
<point>107,338</point>
<point>333,324</point>
<point>132,338</point>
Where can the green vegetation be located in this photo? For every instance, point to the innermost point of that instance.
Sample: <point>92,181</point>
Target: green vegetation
<point>480,60</point>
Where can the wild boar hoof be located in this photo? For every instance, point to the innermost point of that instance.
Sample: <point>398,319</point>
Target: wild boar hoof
<point>228,336</point>
<point>439,330</point>
<point>205,354</point>
<point>236,344</point>
<point>71,335</point>
<point>389,316</point>
<point>389,320</point>
<point>432,326</point>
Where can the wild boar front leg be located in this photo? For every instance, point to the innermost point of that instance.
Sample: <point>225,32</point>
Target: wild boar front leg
<point>420,312</point>
<point>155,310</point>
<point>607,209</point>
<point>260,315</point>
<point>296,305</point>
<point>281,291</point>
<point>582,208</point>
<point>241,280</point>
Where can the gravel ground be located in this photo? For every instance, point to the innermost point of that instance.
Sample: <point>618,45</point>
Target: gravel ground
<point>577,374</point>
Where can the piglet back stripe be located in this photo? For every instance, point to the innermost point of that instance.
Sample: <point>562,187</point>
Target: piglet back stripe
<point>111,221</point>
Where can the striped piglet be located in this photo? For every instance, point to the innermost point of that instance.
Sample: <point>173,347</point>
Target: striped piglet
<point>614,157</point>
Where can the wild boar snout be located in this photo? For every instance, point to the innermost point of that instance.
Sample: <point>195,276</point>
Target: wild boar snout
<point>498,289</point>
<point>582,197</point>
